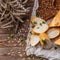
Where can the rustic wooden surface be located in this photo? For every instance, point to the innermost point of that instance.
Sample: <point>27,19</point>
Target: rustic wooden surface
<point>13,48</point>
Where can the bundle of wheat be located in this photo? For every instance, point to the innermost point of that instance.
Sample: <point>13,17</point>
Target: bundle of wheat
<point>13,12</point>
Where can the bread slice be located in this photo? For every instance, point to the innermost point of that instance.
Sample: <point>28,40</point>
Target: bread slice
<point>40,28</point>
<point>57,42</point>
<point>45,41</point>
<point>53,32</point>
<point>34,40</point>
<point>56,21</point>
<point>37,21</point>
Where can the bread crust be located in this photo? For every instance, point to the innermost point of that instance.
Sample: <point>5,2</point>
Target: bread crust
<point>56,21</point>
<point>46,9</point>
<point>57,42</point>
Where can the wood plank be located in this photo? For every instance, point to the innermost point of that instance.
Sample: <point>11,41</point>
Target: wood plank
<point>9,58</point>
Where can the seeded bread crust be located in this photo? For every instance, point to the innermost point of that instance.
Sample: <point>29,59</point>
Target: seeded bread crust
<point>57,4</point>
<point>46,9</point>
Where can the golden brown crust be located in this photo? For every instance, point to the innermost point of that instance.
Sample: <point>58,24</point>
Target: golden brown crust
<point>56,21</point>
<point>44,36</point>
<point>45,41</point>
<point>33,18</point>
<point>57,42</point>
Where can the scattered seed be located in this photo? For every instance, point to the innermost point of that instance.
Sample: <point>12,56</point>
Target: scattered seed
<point>24,38</point>
<point>8,54</point>
<point>33,58</point>
<point>11,35</point>
<point>9,41</point>
<point>40,58</point>
<point>33,26</point>
<point>20,55</point>
<point>43,22</point>
<point>37,27</point>
<point>37,14</point>
<point>55,47</point>
<point>35,22</point>
<point>30,32</point>
<point>12,52</point>
<point>44,42</point>
<point>19,52</point>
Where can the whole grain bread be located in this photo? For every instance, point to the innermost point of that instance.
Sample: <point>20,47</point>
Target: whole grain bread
<point>46,9</point>
<point>57,4</point>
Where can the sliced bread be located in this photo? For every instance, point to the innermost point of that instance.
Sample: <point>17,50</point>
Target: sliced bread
<point>53,32</point>
<point>34,40</point>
